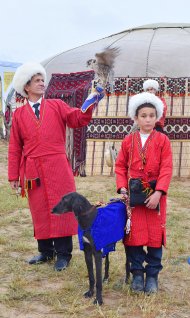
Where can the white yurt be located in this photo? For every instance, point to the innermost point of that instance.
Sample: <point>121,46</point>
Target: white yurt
<point>156,51</point>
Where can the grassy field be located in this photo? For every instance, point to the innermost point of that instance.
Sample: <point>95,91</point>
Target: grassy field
<point>38,291</point>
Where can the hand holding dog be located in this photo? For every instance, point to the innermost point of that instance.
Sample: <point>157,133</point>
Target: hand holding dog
<point>124,193</point>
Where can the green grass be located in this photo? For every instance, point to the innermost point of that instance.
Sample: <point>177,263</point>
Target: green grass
<point>10,201</point>
<point>39,291</point>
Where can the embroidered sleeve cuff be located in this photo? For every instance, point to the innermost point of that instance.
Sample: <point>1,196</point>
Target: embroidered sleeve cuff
<point>163,192</point>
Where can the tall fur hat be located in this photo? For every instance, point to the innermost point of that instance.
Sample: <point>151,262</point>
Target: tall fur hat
<point>24,73</point>
<point>150,83</point>
<point>145,98</point>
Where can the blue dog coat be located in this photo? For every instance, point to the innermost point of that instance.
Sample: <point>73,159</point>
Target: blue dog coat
<point>107,228</point>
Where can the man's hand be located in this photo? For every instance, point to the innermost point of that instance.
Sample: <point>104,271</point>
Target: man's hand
<point>93,99</point>
<point>14,185</point>
<point>153,200</point>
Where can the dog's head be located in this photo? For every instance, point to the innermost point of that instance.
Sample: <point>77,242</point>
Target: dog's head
<point>65,205</point>
<point>72,202</point>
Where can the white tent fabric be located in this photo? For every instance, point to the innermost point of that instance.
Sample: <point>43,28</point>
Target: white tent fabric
<point>154,50</point>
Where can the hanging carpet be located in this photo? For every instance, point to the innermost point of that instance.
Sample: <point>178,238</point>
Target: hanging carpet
<point>73,89</point>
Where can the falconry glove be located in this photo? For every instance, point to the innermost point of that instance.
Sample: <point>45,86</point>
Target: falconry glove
<point>93,98</point>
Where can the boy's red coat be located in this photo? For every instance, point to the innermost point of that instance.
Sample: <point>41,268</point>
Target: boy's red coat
<point>148,226</point>
<point>37,149</point>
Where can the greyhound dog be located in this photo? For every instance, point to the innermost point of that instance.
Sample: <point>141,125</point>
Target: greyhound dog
<point>86,214</point>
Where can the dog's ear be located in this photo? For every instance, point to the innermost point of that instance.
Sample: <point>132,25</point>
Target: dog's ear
<point>67,202</point>
<point>80,204</point>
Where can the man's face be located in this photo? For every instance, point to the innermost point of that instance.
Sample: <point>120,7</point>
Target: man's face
<point>36,86</point>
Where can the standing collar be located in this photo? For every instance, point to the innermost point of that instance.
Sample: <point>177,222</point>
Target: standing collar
<point>38,101</point>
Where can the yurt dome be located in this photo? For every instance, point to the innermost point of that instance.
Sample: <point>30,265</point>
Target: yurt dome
<point>157,51</point>
<point>152,50</point>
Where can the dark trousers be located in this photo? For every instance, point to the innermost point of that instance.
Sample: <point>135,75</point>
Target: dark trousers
<point>137,255</point>
<point>61,246</point>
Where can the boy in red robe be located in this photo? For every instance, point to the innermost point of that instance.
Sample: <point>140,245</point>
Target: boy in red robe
<point>37,161</point>
<point>146,155</point>
<point>152,86</point>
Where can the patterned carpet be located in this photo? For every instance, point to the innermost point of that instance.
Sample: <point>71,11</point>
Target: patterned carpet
<point>73,88</point>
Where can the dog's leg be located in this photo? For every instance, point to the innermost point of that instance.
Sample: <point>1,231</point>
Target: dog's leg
<point>98,262</point>
<point>107,263</point>
<point>89,264</point>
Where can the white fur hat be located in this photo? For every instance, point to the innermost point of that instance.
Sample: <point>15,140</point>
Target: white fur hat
<point>150,83</point>
<point>24,73</point>
<point>145,98</point>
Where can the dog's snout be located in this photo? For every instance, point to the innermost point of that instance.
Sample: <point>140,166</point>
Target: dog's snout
<point>58,209</point>
<point>54,211</point>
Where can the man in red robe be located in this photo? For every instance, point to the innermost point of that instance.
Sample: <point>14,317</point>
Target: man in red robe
<point>152,86</point>
<point>145,156</point>
<point>37,161</point>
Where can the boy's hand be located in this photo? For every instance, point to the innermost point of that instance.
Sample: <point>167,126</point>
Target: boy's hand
<point>124,193</point>
<point>153,200</point>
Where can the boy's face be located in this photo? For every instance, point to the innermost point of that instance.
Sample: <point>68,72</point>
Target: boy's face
<point>146,119</point>
<point>151,90</point>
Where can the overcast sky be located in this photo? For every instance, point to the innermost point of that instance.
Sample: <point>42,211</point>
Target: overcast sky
<point>33,30</point>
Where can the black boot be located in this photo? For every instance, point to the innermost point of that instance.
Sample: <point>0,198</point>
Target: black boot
<point>61,263</point>
<point>41,258</point>
<point>151,285</point>
<point>137,284</point>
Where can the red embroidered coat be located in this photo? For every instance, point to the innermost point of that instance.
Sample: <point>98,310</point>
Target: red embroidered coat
<point>37,150</point>
<point>148,227</point>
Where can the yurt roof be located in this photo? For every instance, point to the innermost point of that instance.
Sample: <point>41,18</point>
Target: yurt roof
<point>151,50</point>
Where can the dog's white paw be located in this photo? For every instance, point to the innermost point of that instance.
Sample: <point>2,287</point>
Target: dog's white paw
<point>98,301</point>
